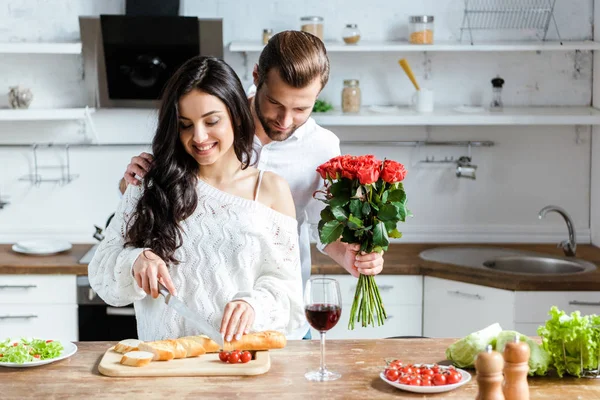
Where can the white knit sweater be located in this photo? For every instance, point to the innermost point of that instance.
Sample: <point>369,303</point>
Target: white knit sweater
<point>233,249</point>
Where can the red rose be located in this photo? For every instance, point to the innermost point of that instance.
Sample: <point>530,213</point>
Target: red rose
<point>368,173</point>
<point>393,171</point>
<point>322,169</point>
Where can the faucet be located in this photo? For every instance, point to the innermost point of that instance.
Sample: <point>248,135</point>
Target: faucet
<point>568,246</point>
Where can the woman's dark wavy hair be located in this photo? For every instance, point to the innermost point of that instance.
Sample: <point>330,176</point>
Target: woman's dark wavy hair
<point>169,195</point>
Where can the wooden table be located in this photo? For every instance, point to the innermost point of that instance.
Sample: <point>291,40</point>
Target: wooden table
<point>359,362</point>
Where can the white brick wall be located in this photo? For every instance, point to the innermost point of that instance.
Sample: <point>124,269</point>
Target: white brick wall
<point>529,168</point>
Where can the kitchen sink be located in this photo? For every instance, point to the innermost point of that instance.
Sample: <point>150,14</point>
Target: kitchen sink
<point>508,260</point>
<point>539,265</point>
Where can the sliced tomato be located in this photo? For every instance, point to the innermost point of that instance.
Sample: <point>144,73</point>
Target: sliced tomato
<point>36,355</point>
<point>49,341</point>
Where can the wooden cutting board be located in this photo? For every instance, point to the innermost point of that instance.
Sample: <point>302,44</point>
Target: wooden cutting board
<point>205,365</point>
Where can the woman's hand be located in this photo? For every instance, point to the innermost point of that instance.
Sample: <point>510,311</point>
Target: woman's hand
<point>148,270</point>
<point>238,317</point>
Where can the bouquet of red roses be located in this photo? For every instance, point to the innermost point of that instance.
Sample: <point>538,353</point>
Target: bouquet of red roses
<point>365,202</point>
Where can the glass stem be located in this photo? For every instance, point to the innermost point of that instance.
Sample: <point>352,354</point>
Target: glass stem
<point>322,369</point>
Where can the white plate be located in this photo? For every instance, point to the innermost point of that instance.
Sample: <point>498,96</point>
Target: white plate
<point>41,247</point>
<point>68,351</point>
<point>466,377</point>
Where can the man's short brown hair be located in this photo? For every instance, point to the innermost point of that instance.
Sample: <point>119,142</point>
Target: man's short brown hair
<point>300,57</point>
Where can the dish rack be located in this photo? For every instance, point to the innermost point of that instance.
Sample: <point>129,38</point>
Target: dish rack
<point>530,15</point>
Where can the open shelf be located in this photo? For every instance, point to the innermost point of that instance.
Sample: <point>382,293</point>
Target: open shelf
<point>400,46</point>
<point>40,48</point>
<point>449,116</point>
<point>49,114</point>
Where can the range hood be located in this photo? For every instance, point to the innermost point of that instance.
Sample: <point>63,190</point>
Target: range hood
<point>129,58</point>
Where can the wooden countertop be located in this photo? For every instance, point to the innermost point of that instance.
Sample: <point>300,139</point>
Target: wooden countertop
<point>401,259</point>
<point>359,362</point>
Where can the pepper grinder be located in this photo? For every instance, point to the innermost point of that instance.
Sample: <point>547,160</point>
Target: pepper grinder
<point>516,367</point>
<point>497,104</point>
<point>489,365</point>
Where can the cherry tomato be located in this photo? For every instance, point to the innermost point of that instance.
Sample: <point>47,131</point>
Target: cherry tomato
<point>439,380</point>
<point>395,364</point>
<point>391,374</point>
<point>415,381</point>
<point>453,377</point>
<point>407,370</point>
<point>426,382</point>
<point>245,356</point>
<point>417,370</point>
<point>427,372</point>
<point>36,355</point>
<point>224,356</point>
<point>234,358</point>
<point>435,368</point>
<point>405,379</point>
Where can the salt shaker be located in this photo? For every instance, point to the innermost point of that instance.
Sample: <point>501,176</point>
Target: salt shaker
<point>489,365</point>
<point>516,367</point>
<point>497,104</point>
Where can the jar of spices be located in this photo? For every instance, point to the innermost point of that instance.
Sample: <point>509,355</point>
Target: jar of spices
<point>351,96</point>
<point>351,34</point>
<point>312,25</point>
<point>267,34</point>
<point>421,29</point>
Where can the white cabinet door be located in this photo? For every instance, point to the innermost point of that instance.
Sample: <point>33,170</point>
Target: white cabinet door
<point>455,309</point>
<point>38,320</point>
<point>402,296</point>
<point>38,289</point>
<point>533,307</point>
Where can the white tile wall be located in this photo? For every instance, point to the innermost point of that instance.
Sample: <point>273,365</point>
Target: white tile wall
<point>529,168</point>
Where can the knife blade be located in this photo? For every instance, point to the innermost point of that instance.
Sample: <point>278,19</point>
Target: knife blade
<point>191,316</point>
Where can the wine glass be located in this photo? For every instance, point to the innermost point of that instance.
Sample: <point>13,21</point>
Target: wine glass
<point>323,308</point>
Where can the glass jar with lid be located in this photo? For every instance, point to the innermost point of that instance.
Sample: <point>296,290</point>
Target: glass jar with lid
<point>351,34</point>
<point>266,36</point>
<point>420,29</point>
<point>312,24</point>
<point>351,96</point>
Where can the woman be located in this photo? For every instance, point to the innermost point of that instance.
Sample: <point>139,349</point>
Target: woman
<point>219,234</point>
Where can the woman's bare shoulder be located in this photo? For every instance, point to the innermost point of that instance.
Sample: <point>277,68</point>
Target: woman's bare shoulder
<point>275,192</point>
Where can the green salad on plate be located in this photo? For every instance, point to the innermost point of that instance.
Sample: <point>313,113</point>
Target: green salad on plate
<point>28,350</point>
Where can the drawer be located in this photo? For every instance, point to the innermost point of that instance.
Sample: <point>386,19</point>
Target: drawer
<point>533,307</point>
<point>38,289</point>
<point>39,320</point>
<point>403,320</point>
<point>394,289</point>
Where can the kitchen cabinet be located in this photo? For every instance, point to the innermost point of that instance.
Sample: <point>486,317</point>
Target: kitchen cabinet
<point>455,309</point>
<point>42,306</point>
<point>402,296</point>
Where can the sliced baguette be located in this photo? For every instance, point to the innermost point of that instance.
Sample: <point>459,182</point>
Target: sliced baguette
<point>193,348</point>
<point>162,351</point>
<point>179,351</point>
<point>127,345</point>
<point>265,340</point>
<point>137,358</point>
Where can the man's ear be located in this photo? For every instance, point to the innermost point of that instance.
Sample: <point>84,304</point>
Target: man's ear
<point>255,75</point>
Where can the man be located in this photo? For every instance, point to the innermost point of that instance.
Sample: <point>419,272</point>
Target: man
<point>292,70</point>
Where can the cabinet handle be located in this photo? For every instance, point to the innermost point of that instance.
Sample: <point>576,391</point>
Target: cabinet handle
<point>17,286</point>
<point>126,311</point>
<point>382,288</point>
<point>584,303</point>
<point>18,316</point>
<point>463,294</point>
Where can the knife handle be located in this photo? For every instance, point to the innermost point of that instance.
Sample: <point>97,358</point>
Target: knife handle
<point>163,290</point>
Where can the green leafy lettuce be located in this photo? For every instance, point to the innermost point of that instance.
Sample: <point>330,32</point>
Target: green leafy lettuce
<point>539,359</point>
<point>29,350</point>
<point>572,341</point>
<point>463,352</point>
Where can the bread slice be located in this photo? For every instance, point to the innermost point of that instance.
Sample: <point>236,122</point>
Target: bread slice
<point>162,351</point>
<point>179,351</point>
<point>265,340</point>
<point>193,348</point>
<point>137,358</point>
<point>127,345</point>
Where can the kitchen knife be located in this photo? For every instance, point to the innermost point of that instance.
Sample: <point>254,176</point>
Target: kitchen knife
<point>190,315</point>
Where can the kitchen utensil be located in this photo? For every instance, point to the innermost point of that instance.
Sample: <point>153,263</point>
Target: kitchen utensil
<point>406,67</point>
<point>68,350</point>
<point>423,100</point>
<point>466,377</point>
<point>191,316</point>
<point>204,365</point>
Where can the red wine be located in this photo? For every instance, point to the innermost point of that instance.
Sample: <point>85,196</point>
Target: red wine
<point>323,317</point>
